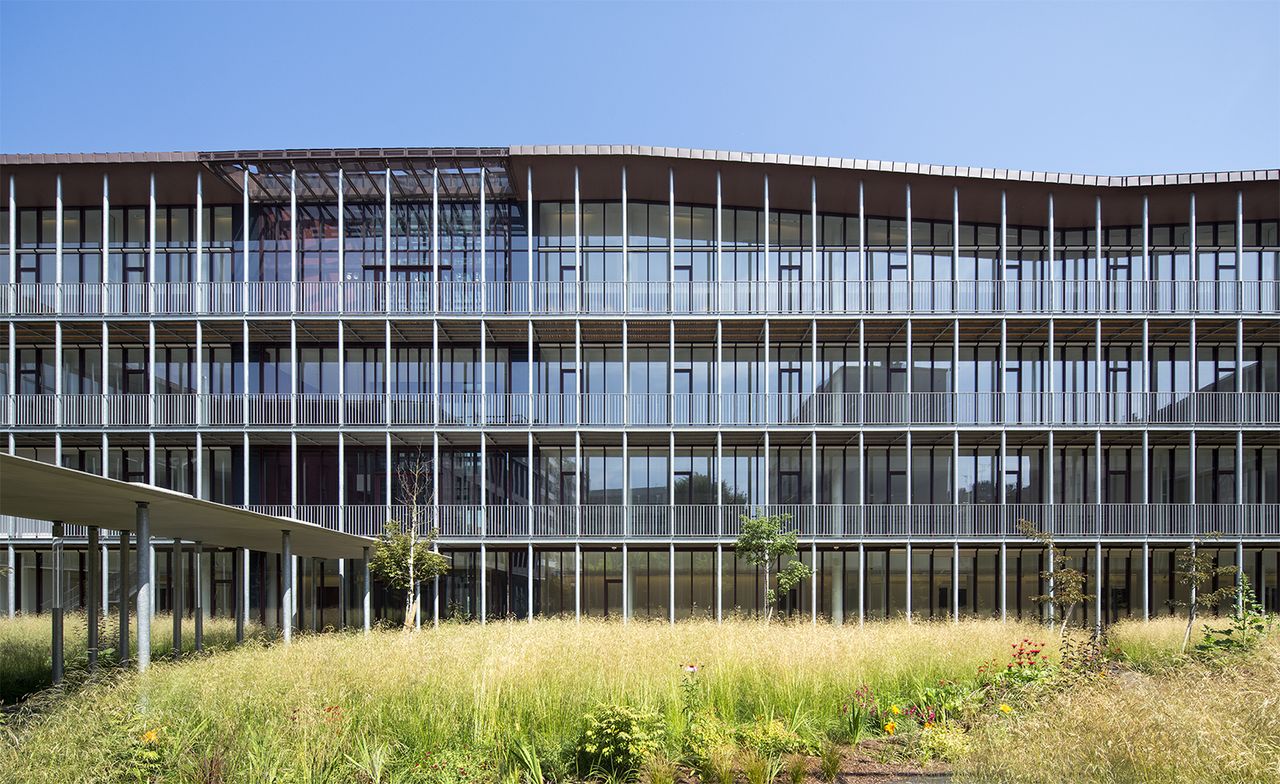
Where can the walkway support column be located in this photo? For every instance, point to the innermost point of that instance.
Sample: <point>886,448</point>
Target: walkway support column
<point>286,587</point>
<point>122,651</point>
<point>197,600</point>
<point>56,610</point>
<point>11,584</point>
<point>144,586</point>
<point>242,594</point>
<point>364,588</point>
<point>93,556</point>
<point>175,595</point>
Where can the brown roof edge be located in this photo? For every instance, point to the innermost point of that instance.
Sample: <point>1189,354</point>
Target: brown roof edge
<point>977,172</point>
<point>45,158</point>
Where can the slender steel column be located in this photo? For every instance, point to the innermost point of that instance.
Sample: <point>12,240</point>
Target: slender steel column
<point>11,586</point>
<point>364,589</point>
<point>955,581</point>
<point>122,644</point>
<point>908,580</point>
<point>1146,580</point>
<point>1004,581</point>
<point>56,609</point>
<point>577,581</point>
<point>242,593</point>
<point>93,554</point>
<point>175,595</point>
<point>1097,586</point>
<point>197,600</point>
<point>862,583</point>
<point>286,587</point>
<point>144,586</point>
<point>719,582</point>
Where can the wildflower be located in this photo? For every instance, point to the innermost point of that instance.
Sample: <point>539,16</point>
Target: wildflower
<point>151,736</point>
<point>895,710</point>
<point>928,725</point>
<point>691,667</point>
<point>890,727</point>
<point>1005,709</point>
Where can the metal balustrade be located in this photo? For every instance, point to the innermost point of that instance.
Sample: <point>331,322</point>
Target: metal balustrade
<point>610,409</point>
<point>469,297</point>
<point>923,523</point>
<point>868,522</point>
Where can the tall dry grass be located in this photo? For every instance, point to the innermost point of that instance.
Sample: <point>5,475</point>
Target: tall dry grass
<point>1215,721</point>
<point>26,652</point>
<point>305,711</point>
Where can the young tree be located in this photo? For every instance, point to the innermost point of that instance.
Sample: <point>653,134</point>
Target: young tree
<point>1066,584</point>
<point>1195,570</point>
<point>403,556</point>
<point>760,542</point>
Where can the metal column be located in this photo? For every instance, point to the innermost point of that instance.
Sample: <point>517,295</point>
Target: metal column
<point>94,602</point>
<point>286,587</point>
<point>144,586</point>
<point>56,609</point>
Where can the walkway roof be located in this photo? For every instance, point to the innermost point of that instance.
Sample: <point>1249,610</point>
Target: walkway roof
<point>32,489</point>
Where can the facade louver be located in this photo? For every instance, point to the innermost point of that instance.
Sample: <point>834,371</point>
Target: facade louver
<point>608,355</point>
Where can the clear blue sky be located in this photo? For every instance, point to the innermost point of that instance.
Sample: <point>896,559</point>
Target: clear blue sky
<point>1086,86</point>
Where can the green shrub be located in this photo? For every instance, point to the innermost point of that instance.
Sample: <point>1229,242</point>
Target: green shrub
<point>771,738</point>
<point>942,742</point>
<point>616,741</point>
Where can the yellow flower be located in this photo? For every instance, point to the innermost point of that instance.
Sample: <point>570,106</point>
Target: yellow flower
<point>890,727</point>
<point>151,736</point>
<point>1004,708</point>
<point>895,710</point>
<point>928,725</point>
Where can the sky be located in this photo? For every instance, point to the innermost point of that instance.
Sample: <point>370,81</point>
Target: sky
<point>1089,87</point>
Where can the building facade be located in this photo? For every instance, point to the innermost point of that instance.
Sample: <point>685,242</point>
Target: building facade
<point>602,357</point>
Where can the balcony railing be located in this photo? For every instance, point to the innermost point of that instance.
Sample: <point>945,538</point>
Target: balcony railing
<point>279,298</point>
<point>820,522</point>
<point>609,409</point>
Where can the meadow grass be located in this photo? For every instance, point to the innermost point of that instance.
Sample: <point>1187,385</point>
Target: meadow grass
<point>453,705</point>
<point>26,656</point>
<point>1216,720</point>
<point>307,711</point>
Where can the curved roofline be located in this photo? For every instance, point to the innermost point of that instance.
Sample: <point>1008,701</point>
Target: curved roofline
<point>677,153</point>
<point>893,167</point>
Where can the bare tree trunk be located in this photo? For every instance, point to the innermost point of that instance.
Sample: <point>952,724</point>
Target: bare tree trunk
<point>1191,619</point>
<point>768,605</point>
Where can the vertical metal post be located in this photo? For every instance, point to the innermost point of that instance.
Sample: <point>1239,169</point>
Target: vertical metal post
<point>1097,586</point>
<point>56,609</point>
<point>10,579</point>
<point>242,593</point>
<point>364,589</point>
<point>671,582</point>
<point>93,554</point>
<point>862,582</point>
<point>122,649</point>
<point>143,612</point>
<point>1004,580</point>
<point>529,577</point>
<point>908,581</point>
<point>1146,580</point>
<point>197,599</point>
<point>484,568</point>
<point>175,595</point>
<point>286,586</point>
<point>577,581</point>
